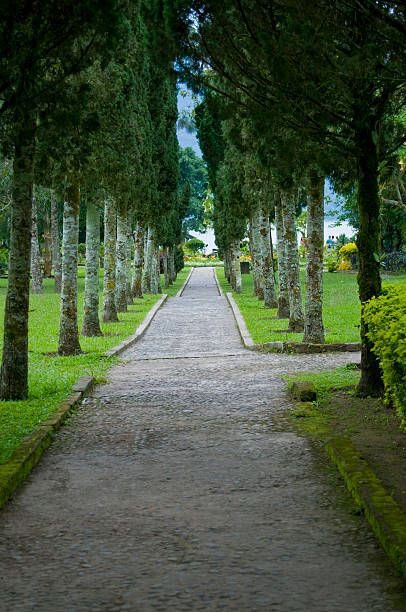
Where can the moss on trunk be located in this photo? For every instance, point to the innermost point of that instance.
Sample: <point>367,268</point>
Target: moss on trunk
<point>14,368</point>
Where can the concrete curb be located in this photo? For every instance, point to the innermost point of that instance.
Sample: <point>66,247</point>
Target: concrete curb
<point>242,328</point>
<point>27,455</point>
<point>287,347</point>
<point>181,290</point>
<point>216,280</point>
<point>139,332</point>
<point>382,512</point>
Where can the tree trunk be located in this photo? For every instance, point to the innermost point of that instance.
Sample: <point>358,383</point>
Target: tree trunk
<point>270,299</point>
<point>254,254</point>
<point>109,281</point>
<point>232,266</point>
<point>314,328</point>
<point>158,283</point>
<point>128,262</point>
<point>37,285</point>
<point>121,259</point>
<point>56,252</point>
<point>147,281</point>
<point>68,323</point>
<point>14,367</point>
<point>166,268</point>
<point>368,243</point>
<point>138,257</point>
<point>91,324</point>
<point>283,294</point>
<point>47,244</point>
<point>296,318</point>
<point>258,250</point>
<point>226,259</point>
<point>171,264</point>
<point>237,256</point>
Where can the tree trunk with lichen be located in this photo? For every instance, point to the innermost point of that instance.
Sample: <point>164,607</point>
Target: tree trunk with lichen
<point>270,299</point>
<point>314,328</point>
<point>283,294</point>
<point>138,257</point>
<point>37,284</point>
<point>128,243</point>
<point>158,283</point>
<point>109,313</point>
<point>91,323</point>
<point>258,269</point>
<point>237,267</point>
<point>68,323</point>
<point>56,252</point>
<point>254,255</point>
<point>14,367</point>
<point>121,258</point>
<point>47,244</point>
<point>149,272</point>
<point>165,265</point>
<point>296,316</point>
<point>368,243</point>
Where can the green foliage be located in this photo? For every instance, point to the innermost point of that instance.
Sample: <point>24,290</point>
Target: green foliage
<point>193,170</point>
<point>348,249</point>
<point>195,245</point>
<point>385,317</point>
<point>179,260</point>
<point>3,260</point>
<point>331,265</point>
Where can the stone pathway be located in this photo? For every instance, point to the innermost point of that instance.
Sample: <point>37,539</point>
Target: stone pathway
<point>180,486</point>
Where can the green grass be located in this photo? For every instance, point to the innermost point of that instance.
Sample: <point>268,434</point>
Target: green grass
<point>325,382</point>
<point>52,376</point>
<point>341,308</point>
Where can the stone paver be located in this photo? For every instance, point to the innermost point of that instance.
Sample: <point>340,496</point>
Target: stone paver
<point>181,486</point>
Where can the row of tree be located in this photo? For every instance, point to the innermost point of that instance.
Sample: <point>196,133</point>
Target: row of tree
<point>304,92</point>
<point>88,114</point>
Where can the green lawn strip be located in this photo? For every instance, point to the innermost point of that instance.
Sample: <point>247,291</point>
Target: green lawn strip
<point>51,376</point>
<point>341,309</point>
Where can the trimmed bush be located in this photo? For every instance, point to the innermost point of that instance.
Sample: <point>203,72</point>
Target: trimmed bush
<point>386,319</point>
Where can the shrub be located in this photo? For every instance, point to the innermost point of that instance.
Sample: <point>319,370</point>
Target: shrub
<point>195,245</point>
<point>344,265</point>
<point>347,250</point>
<point>179,261</point>
<point>3,260</point>
<point>331,265</point>
<point>386,319</point>
<point>394,261</point>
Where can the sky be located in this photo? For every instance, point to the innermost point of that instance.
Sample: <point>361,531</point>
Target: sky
<point>189,140</point>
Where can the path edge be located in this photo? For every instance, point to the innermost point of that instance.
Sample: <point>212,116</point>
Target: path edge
<point>31,449</point>
<point>241,325</point>
<point>386,518</point>
<point>139,332</point>
<point>289,346</point>
<point>181,290</point>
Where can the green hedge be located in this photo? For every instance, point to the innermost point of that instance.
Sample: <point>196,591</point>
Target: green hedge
<point>386,320</point>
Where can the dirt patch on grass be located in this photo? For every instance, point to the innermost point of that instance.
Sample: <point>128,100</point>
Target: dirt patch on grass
<point>374,430</point>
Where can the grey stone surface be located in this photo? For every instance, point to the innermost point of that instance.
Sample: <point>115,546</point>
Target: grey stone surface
<point>180,485</point>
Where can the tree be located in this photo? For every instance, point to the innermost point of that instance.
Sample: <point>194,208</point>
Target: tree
<point>195,245</point>
<point>40,46</point>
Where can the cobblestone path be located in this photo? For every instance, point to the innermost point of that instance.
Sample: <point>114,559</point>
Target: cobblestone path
<point>180,485</point>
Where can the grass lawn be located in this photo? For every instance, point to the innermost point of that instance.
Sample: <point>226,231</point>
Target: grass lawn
<point>52,376</point>
<point>341,308</point>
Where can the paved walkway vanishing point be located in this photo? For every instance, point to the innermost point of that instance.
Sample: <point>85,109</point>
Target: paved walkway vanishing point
<point>180,485</point>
